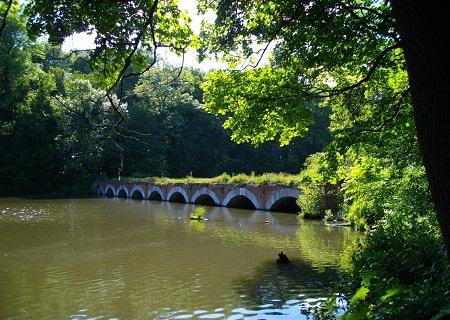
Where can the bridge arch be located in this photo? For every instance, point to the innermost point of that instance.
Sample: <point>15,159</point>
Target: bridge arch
<point>284,200</point>
<point>241,198</point>
<point>99,190</point>
<point>137,192</point>
<point>155,193</point>
<point>177,194</point>
<point>122,192</point>
<point>205,196</point>
<point>109,191</point>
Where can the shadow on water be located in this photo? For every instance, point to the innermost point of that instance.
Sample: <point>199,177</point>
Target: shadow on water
<point>271,283</point>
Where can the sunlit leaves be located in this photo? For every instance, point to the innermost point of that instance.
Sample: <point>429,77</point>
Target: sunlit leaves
<point>260,103</point>
<point>127,33</point>
<point>360,294</point>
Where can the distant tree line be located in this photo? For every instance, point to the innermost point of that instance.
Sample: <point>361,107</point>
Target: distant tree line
<point>57,128</point>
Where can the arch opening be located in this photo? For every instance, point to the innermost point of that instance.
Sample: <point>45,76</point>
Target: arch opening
<point>122,193</point>
<point>177,197</point>
<point>241,202</point>
<point>155,196</point>
<point>109,193</point>
<point>137,195</point>
<point>286,204</point>
<point>205,199</point>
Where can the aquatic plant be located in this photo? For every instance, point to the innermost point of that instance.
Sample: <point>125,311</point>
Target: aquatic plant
<point>198,213</point>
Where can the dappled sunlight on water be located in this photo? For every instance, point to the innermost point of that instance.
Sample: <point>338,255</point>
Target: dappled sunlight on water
<point>128,259</point>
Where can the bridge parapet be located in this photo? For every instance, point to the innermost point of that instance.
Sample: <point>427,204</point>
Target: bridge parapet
<point>273,197</point>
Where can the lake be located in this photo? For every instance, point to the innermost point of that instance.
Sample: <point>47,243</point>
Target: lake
<point>129,259</point>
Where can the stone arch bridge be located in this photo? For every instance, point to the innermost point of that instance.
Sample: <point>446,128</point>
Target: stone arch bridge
<point>274,197</point>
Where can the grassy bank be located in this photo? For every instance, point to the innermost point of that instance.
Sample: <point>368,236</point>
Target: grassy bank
<point>265,178</point>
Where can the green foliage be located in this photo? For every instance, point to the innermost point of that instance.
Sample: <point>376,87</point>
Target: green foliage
<point>127,33</point>
<point>402,270</point>
<point>198,213</point>
<point>265,178</point>
<point>329,216</point>
<point>28,122</point>
<point>372,191</point>
<point>57,124</point>
<point>167,108</point>
<point>321,50</point>
<point>320,187</point>
<point>312,184</point>
<point>344,54</point>
<point>261,106</point>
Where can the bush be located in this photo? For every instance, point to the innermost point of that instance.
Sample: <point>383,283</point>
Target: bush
<point>310,201</point>
<point>316,183</point>
<point>401,271</point>
<point>373,189</point>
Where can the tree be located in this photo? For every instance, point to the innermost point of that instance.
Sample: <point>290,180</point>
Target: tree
<point>28,122</point>
<point>336,50</point>
<point>127,36</point>
<point>420,25</point>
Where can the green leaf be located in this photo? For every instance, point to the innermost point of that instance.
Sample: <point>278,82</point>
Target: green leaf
<point>391,292</point>
<point>356,314</point>
<point>366,280</point>
<point>361,294</point>
<point>443,313</point>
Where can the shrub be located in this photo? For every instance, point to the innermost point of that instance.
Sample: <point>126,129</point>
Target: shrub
<point>401,271</point>
<point>198,213</point>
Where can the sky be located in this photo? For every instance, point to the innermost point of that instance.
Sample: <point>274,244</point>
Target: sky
<point>83,41</point>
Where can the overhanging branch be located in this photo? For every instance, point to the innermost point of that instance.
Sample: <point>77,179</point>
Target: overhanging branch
<point>396,107</point>
<point>5,15</point>
<point>376,63</point>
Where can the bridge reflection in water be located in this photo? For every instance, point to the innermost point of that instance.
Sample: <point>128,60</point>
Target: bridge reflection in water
<point>274,197</point>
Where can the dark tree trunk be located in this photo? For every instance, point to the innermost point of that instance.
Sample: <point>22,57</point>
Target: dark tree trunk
<point>424,29</point>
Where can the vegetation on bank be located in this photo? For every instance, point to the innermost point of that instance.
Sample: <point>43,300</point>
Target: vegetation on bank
<point>286,179</point>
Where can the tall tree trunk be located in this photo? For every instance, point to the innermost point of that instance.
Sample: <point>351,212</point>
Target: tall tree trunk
<point>423,26</point>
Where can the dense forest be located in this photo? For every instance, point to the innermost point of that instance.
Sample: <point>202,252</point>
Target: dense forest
<point>337,91</point>
<point>57,129</point>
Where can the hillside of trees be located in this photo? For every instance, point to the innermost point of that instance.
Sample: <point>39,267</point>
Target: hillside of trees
<point>57,129</point>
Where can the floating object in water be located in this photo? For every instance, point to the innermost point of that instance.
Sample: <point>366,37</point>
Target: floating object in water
<point>282,259</point>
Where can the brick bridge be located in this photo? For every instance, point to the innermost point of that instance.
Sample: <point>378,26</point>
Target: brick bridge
<point>274,197</point>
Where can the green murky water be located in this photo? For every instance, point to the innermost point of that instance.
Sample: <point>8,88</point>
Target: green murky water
<point>128,259</point>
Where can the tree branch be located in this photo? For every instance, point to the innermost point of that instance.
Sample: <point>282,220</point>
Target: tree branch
<point>371,10</point>
<point>72,52</point>
<point>350,9</point>
<point>180,69</point>
<point>260,57</point>
<point>5,15</point>
<point>82,116</point>
<point>282,25</point>
<point>376,63</point>
<point>396,107</point>
<point>137,41</point>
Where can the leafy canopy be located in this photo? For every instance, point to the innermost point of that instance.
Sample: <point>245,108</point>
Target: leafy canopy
<point>331,50</point>
<point>125,31</point>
